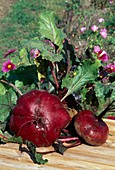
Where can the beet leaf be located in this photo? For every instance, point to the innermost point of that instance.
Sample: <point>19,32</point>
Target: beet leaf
<point>86,73</point>
<point>49,30</point>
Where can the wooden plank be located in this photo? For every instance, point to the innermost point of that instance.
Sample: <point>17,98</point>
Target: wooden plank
<point>82,157</point>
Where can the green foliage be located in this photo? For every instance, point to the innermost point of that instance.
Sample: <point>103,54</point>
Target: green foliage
<point>37,158</point>
<point>2,89</point>
<point>6,103</point>
<point>46,50</point>
<point>26,74</point>
<point>102,92</point>
<point>86,73</point>
<point>49,30</point>
<point>15,139</point>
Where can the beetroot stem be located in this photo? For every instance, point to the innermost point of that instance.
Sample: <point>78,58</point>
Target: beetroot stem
<point>54,75</point>
<point>12,85</point>
<point>3,137</point>
<point>105,110</point>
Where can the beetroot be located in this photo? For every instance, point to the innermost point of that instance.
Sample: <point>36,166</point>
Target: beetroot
<point>39,117</point>
<point>91,128</point>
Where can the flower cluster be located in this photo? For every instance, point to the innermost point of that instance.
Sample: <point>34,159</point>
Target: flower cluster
<point>94,28</point>
<point>109,68</point>
<point>103,31</point>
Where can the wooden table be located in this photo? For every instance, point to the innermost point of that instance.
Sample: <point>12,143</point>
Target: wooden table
<point>82,157</point>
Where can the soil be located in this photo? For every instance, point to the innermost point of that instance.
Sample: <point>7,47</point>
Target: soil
<point>5,6</point>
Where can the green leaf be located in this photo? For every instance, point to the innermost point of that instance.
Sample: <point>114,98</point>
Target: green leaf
<point>27,75</point>
<point>86,73</point>
<point>0,74</point>
<point>37,44</point>
<point>15,139</point>
<point>83,93</point>
<point>6,103</point>
<point>1,133</point>
<point>112,84</point>
<point>46,50</point>
<point>37,158</point>
<point>113,95</point>
<point>24,59</point>
<point>19,84</point>
<point>2,89</point>
<point>101,90</point>
<point>51,56</point>
<point>49,30</point>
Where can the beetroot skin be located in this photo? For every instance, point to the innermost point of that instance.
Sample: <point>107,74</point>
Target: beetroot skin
<point>91,128</point>
<point>39,117</point>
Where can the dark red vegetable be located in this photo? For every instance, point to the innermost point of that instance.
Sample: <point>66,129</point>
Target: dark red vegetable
<point>39,117</point>
<point>91,128</point>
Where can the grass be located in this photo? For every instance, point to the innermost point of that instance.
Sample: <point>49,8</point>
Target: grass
<point>22,21</point>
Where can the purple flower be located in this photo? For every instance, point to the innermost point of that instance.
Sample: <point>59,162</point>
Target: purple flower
<point>9,52</point>
<point>7,66</point>
<point>96,49</point>
<point>101,20</point>
<point>34,53</point>
<point>103,32</point>
<point>83,29</point>
<point>110,67</point>
<point>94,28</point>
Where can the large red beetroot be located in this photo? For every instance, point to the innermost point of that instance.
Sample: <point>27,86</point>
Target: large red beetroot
<point>39,117</point>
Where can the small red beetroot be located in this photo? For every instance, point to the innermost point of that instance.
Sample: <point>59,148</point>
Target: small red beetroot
<point>39,117</point>
<point>91,128</point>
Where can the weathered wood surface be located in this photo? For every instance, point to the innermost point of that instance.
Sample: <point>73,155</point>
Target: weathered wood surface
<point>82,157</point>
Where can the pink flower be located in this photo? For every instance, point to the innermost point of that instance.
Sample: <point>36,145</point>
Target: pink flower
<point>96,49</point>
<point>83,29</point>
<point>34,53</point>
<point>7,66</point>
<point>110,67</point>
<point>101,20</point>
<point>94,28</point>
<point>102,55</point>
<point>111,1</point>
<point>103,32</point>
<point>9,52</point>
